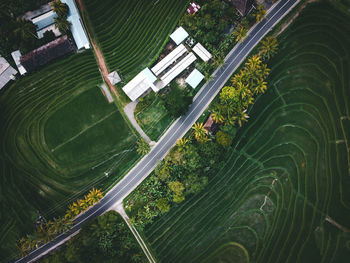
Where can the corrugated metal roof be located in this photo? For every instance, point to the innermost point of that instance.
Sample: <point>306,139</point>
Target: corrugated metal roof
<point>194,78</point>
<point>77,29</point>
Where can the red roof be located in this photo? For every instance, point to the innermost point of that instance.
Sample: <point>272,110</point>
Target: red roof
<point>193,8</point>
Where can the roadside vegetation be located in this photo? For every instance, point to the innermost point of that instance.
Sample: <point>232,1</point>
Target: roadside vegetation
<point>106,238</point>
<point>47,231</point>
<point>279,191</point>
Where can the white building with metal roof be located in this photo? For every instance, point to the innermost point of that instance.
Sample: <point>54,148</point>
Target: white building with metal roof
<point>179,35</point>
<point>169,59</point>
<point>16,55</point>
<point>7,72</point>
<point>79,34</point>
<point>202,52</point>
<point>140,84</point>
<point>194,78</point>
<point>176,70</point>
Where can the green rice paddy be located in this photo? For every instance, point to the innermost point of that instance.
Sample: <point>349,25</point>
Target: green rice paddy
<point>283,194</point>
<point>59,136</point>
<point>132,33</point>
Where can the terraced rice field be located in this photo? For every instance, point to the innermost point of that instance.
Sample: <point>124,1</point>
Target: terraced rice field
<point>132,33</point>
<point>283,195</point>
<point>58,136</point>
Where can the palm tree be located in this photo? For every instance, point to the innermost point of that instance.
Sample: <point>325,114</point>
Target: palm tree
<point>200,133</point>
<point>261,86</point>
<point>241,116</point>
<point>43,234</point>
<point>84,203</point>
<point>269,47</point>
<point>217,116</point>
<point>69,214</point>
<point>62,24</point>
<point>182,143</point>
<point>260,13</point>
<point>25,29</point>
<point>94,196</point>
<point>208,76</point>
<point>240,33</point>
<point>76,208</point>
<point>142,147</point>
<point>60,8</point>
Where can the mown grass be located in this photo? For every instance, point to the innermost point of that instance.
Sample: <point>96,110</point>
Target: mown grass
<point>288,170</point>
<point>58,137</point>
<point>132,33</point>
<point>154,119</point>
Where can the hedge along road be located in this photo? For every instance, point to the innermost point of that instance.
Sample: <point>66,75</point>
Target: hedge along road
<point>177,130</point>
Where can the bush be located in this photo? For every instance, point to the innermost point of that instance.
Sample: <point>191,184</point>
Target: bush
<point>223,138</point>
<point>177,101</point>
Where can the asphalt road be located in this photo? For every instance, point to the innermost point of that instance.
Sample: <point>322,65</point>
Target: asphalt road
<point>178,129</point>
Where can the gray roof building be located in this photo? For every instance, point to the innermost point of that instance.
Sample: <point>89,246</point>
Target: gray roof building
<point>243,6</point>
<point>7,72</point>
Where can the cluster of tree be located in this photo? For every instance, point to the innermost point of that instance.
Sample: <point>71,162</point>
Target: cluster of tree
<point>180,174</point>
<point>46,232</point>
<point>61,22</point>
<point>177,100</point>
<point>79,206</point>
<point>209,25</point>
<point>104,239</point>
<point>234,99</point>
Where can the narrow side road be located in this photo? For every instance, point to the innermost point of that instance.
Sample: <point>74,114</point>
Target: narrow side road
<point>98,53</point>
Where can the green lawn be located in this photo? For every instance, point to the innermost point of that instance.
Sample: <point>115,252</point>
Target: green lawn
<point>289,167</point>
<point>153,119</point>
<point>132,33</point>
<point>58,136</point>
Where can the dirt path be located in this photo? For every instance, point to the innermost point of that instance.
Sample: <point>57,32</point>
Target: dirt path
<point>100,59</point>
<point>119,208</point>
<point>290,20</point>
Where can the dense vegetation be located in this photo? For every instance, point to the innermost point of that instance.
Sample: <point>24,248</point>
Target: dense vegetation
<point>106,238</point>
<point>59,138</point>
<point>132,34</point>
<point>17,33</point>
<point>281,195</point>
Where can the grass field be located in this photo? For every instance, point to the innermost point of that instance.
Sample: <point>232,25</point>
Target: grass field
<point>283,194</point>
<point>154,119</point>
<point>132,33</point>
<point>58,136</point>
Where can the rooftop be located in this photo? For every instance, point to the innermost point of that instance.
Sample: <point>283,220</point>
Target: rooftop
<point>44,54</point>
<point>140,84</point>
<point>169,59</point>
<point>194,78</point>
<point>179,35</point>
<point>7,72</point>
<point>77,29</point>
<point>202,52</point>
<point>16,55</point>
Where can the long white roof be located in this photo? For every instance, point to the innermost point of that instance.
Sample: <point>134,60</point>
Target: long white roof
<point>202,52</point>
<point>16,55</point>
<point>179,35</point>
<point>138,85</point>
<point>169,59</point>
<point>77,29</point>
<point>178,68</point>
